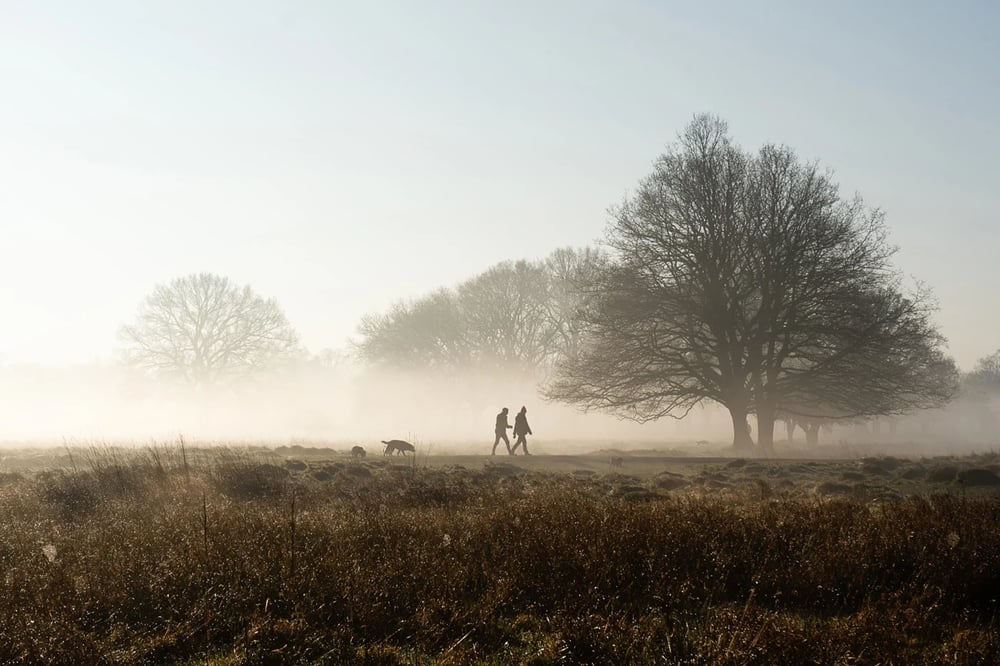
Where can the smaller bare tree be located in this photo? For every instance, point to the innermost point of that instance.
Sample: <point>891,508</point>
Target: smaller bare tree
<point>505,311</point>
<point>515,316</point>
<point>203,328</point>
<point>570,272</point>
<point>986,376</point>
<point>427,333</point>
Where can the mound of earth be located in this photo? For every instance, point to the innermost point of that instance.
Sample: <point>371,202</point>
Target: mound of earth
<point>943,474</point>
<point>831,488</point>
<point>616,477</point>
<point>502,469</point>
<point>871,466</point>
<point>979,477</point>
<point>913,473</point>
<point>633,493</point>
<point>669,481</point>
<point>358,471</point>
<point>882,494</point>
<point>888,463</point>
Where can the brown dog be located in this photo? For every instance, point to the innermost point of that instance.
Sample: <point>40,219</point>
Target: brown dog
<point>398,446</point>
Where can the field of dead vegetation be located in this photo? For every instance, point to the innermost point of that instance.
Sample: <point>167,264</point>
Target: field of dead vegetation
<point>173,554</point>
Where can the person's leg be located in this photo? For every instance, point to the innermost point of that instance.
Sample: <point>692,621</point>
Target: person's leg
<point>517,443</point>
<point>507,442</point>
<point>524,441</point>
<point>495,442</point>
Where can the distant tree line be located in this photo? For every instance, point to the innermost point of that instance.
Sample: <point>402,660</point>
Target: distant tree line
<point>516,316</point>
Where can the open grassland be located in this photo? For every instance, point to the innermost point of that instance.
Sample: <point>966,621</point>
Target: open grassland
<point>225,556</point>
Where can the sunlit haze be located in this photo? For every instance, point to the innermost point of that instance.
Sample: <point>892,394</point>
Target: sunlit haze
<point>342,156</point>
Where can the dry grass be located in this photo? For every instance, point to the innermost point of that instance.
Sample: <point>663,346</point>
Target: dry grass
<point>169,556</point>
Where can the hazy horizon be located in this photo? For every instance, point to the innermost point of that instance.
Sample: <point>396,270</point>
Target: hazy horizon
<point>282,145</point>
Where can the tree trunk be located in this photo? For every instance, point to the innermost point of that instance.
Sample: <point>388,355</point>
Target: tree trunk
<point>790,429</point>
<point>742,442</point>
<point>812,435</point>
<point>765,430</point>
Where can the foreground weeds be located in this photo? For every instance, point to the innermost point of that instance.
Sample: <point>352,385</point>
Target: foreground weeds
<point>155,557</point>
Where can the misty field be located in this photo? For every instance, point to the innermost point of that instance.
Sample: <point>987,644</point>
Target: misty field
<point>242,556</point>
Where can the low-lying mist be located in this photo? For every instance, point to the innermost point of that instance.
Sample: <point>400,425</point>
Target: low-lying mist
<point>349,404</point>
<point>310,406</point>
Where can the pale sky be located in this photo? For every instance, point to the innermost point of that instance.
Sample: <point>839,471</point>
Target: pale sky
<point>339,156</point>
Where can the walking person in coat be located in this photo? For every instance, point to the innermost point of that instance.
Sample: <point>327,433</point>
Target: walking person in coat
<point>521,431</point>
<point>501,431</point>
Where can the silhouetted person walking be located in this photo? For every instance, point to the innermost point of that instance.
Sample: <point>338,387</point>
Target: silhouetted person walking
<point>501,431</point>
<point>521,431</point>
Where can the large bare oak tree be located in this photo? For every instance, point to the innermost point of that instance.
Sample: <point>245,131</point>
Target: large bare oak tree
<point>203,328</point>
<point>745,279</point>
